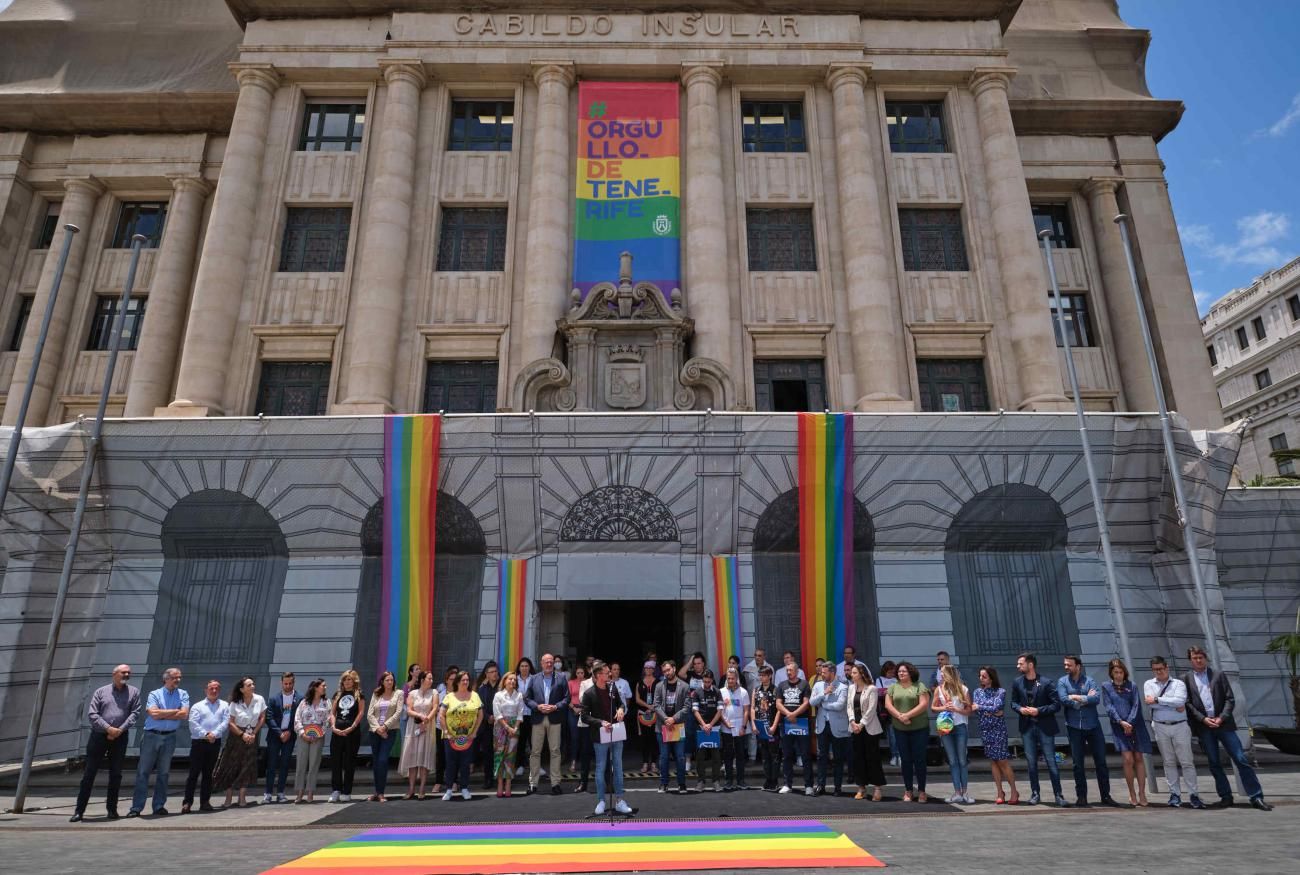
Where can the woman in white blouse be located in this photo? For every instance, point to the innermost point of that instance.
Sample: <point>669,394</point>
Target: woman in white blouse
<point>237,765</point>
<point>383,717</point>
<point>419,753</point>
<point>507,711</point>
<point>310,723</point>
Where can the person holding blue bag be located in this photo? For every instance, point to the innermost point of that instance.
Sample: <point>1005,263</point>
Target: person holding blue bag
<point>792,703</point>
<point>764,719</point>
<point>952,702</point>
<point>708,738</point>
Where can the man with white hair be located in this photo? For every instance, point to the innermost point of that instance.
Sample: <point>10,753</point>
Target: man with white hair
<point>112,714</point>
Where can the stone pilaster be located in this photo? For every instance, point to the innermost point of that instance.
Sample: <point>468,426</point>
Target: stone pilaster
<point>78,209</point>
<point>875,328</point>
<point>380,283</point>
<point>1020,261</point>
<point>223,266</point>
<point>154,364</point>
<point>1130,350</point>
<point>550,204</point>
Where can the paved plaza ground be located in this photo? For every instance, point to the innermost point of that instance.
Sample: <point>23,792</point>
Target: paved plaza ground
<point>937,838</point>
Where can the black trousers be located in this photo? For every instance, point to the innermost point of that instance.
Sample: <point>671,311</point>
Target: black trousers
<point>440,761</point>
<point>867,770</point>
<point>97,748</point>
<point>770,753</point>
<point>485,751</point>
<point>734,749</point>
<point>203,759</point>
<point>343,761</point>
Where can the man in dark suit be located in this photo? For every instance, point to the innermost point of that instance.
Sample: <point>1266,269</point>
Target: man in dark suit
<point>1036,700</point>
<point>547,696</point>
<point>1209,710</point>
<point>280,737</point>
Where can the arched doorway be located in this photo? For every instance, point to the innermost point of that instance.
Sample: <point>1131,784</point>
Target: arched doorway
<point>776,583</point>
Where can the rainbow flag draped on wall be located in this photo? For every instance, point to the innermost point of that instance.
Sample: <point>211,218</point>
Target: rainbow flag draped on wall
<point>629,183</point>
<point>726,609</point>
<point>825,533</point>
<point>411,445</point>
<point>512,612</point>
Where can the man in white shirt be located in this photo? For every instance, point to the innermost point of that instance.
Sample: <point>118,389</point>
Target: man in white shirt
<point>280,737</point>
<point>1167,697</point>
<point>209,721</point>
<point>735,726</point>
<point>851,658</point>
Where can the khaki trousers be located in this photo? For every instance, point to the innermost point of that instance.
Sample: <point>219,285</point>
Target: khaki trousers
<point>545,727</point>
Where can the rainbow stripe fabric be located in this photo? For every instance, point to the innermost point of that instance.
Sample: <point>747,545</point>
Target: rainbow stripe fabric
<point>628,192</point>
<point>726,608</point>
<point>411,445</point>
<point>512,612</point>
<point>825,533</point>
<point>568,847</point>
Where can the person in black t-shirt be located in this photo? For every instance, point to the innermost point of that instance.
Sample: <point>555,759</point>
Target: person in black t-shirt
<point>765,714</point>
<point>792,705</point>
<point>704,707</point>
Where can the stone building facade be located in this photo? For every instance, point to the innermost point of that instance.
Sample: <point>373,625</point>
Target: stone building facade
<point>367,207</point>
<point>1252,338</point>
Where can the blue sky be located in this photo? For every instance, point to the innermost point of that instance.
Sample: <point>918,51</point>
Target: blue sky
<point>1233,163</point>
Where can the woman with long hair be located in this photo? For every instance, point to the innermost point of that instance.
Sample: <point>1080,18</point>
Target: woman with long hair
<point>908,702</point>
<point>763,722</point>
<point>237,766</point>
<point>989,700</point>
<point>1128,728</point>
<point>507,708</point>
<point>419,751</point>
<point>570,740</point>
<point>346,710</point>
<point>865,732</point>
<point>383,717</point>
<point>310,722</point>
<point>459,714</point>
<point>952,703</point>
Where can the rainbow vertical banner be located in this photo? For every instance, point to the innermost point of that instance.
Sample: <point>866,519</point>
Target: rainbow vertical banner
<point>726,608</point>
<point>629,183</point>
<point>512,612</point>
<point>411,446</point>
<point>825,533</point>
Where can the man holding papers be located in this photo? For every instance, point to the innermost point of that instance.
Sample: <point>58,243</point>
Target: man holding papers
<point>605,710</point>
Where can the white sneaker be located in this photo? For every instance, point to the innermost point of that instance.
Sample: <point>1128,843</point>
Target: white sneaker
<point>519,771</point>
<point>808,791</point>
<point>345,798</point>
<point>688,764</point>
<point>600,807</point>
<point>622,807</point>
<point>446,797</point>
<point>266,798</point>
<point>282,799</point>
<point>785,789</point>
<point>334,797</point>
<point>466,795</point>
<point>968,799</point>
<point>954,798</point>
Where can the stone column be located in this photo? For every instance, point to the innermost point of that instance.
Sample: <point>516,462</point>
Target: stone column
<point>1020,260</point>
<point>78,209</point>
<point>223,266</point>
<point>708,292</point>
<point>1130,350</point>
<point>550,204</point>
<point>875,328</point>
<point>154,364</point>
<point>380,283</point>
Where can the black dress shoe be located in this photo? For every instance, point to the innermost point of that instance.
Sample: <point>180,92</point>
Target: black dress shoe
<point>1109,802</point>
<point>1258,802</point>
<point>1081,803</point>
<point>555,790</point>
<point>113,815</point>
<point>206,808</point>
<point>1224,802</point>
<point>582,787</point>
<point>161,812</point>
<point>76,818</point>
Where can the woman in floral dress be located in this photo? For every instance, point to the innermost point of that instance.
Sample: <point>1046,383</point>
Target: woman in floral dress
<point>507,708</point>
<point>989,700</point>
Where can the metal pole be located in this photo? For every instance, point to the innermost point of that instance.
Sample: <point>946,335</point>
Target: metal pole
<point>1103,527</point>
<point>74,534</point>
<point>16,438</point>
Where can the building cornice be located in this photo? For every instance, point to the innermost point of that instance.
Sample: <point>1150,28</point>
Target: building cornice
<point>118,113</point>
<point>1095,117</point>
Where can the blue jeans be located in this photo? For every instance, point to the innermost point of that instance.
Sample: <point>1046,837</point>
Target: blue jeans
<point>1036,741</point>
<point>1210,740</point>
<point>954,745</point>
<point>278,756</point>
<point>380,748</point>
<point>1081,741</point>
<point>609,751</point>
<point>911,750</point>
<point>678,750</point>
<point>155,754</point>
<point>827,744</point>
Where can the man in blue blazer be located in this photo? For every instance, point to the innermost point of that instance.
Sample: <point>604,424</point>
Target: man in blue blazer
<point>1036,700</point>
<point>280,737</point>
<point>547,696</point>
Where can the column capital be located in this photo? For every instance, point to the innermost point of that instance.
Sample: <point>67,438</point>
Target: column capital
<point>845,72</point>
<point>263,76</point>
<point>1102,185</point>
<point>195,184</point>
<point>702,71</point>
<point>561,71</point>
<point>403,69</point>
<point>984,78</point>
<point>87,185</point>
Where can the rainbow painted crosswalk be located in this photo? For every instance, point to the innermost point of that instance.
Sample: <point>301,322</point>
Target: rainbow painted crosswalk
<point>597,847</point>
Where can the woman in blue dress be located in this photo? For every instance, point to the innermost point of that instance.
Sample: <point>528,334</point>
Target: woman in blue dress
<point>989,701</point>
<point>1128,728</point>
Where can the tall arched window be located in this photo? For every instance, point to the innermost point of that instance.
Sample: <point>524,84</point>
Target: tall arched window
<point>776,582</point>
<point>1008,578</point>
<point>224,564</point>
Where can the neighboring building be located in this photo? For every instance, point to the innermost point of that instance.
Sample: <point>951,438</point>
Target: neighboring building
<point>1252,339</point>
<point>363,206</point>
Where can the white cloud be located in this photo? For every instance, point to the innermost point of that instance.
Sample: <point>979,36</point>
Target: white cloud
<point>1203,300</point>
<point>1286,122</point>
<point>1256,245</point>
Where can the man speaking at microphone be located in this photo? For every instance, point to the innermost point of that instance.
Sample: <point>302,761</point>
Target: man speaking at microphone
<point>603,704</point>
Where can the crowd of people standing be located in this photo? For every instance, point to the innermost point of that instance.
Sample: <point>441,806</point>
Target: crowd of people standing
<point>681,719</point>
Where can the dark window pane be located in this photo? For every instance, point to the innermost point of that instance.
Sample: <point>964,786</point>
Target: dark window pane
<point>952,385</point>
<point>48,228</point>
<point>1078,326</point>
<point>789,385</point>
<point>139,218</point>
<point>1258,324</point>
<point>1214,358</point>
<point>101,323</point>
<point>473,239</point>
<point>20,320</point>
<point>932,240</point>
<point>780,239</point>
<point>1293,303</point>
<point>294,389</point>
<point>772,126</point>
<point>460,387</point>
<point>315,239</point>
<point>1263,379</point>
<point>1055,218</point>
<point>332,127</point>
<point>916,126</point>
<point>481,125</point>
<point>1243,341</point>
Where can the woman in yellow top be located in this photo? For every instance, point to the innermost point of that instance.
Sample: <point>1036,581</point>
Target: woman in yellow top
<point>459,716</point>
